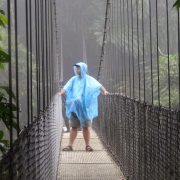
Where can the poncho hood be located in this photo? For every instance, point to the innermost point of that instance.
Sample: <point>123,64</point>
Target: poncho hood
<point>84,69</point>
<point>81,95</point>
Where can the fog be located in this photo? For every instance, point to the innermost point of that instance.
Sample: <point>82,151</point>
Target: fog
<point>139,41</point>
<point>80,28</point>
<point>76,33</point>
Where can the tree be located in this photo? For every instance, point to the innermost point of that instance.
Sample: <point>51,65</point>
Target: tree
<point>6,109</point>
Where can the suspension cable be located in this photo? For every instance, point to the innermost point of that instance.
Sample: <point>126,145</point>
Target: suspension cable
<point>104,38</point>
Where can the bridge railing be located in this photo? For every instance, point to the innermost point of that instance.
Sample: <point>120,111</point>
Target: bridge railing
<point>34,155</point>
<point>140,65</point>
<point>142,138</point>
<point>30,126</point>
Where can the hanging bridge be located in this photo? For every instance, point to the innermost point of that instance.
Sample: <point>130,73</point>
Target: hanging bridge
<point>137,133</point>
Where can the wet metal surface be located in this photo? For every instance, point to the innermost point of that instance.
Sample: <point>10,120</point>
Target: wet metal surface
<point>82,165</point>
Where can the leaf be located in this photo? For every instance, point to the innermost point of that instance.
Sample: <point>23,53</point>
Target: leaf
<point>5,142</point>
<point>2,97</point>
<point>8,91</point>
<point>177,4</point>
<point>3,20</point>
<point>13,107</point>
<point>4,57</point>
<point>6,123</point>
<point>14,125</point>
<point>2,12</point>
<point>1,134</point>
<point>2,147</point>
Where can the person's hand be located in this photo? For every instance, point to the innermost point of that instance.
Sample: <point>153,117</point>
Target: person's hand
<point>105,93</point>
<point>59,94</point>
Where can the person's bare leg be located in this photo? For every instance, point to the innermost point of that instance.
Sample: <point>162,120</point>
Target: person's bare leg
<point>86,134</point>
<point>73,135</point>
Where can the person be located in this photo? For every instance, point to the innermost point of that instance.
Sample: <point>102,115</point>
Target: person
<point>81,91</point>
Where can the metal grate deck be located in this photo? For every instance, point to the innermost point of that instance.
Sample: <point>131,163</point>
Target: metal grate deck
<point>82,165</point>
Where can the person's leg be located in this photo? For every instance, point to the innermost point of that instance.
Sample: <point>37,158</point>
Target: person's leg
<point>74,123</point>
<point>73,135</point>
<point>86,134</point>
<point>74,128</point>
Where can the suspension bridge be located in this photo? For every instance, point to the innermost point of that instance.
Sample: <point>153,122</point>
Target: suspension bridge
<point>137,133</point>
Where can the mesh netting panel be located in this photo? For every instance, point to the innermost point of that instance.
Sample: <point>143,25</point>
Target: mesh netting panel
<point>143,139</point>
<point>35,154</point>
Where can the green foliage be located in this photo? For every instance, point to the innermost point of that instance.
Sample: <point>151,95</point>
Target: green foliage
<point>3,19</point>
<point>177,4</point>
<point>3,55</point>
<point>3,143</point>
<point>164,75</point>
<point>7,90</point>
<point>174,79</point>
<point>7,109</point>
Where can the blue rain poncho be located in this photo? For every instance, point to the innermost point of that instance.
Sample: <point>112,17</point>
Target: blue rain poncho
<point>82,95</point>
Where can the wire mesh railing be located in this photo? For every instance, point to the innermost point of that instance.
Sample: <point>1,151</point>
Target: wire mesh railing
<point>34,155</point>
<point>30,115</point>
<point>143,139</point>
<point>140,66</point>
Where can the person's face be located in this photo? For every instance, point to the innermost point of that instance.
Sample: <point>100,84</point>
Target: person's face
<point>78,70</point>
